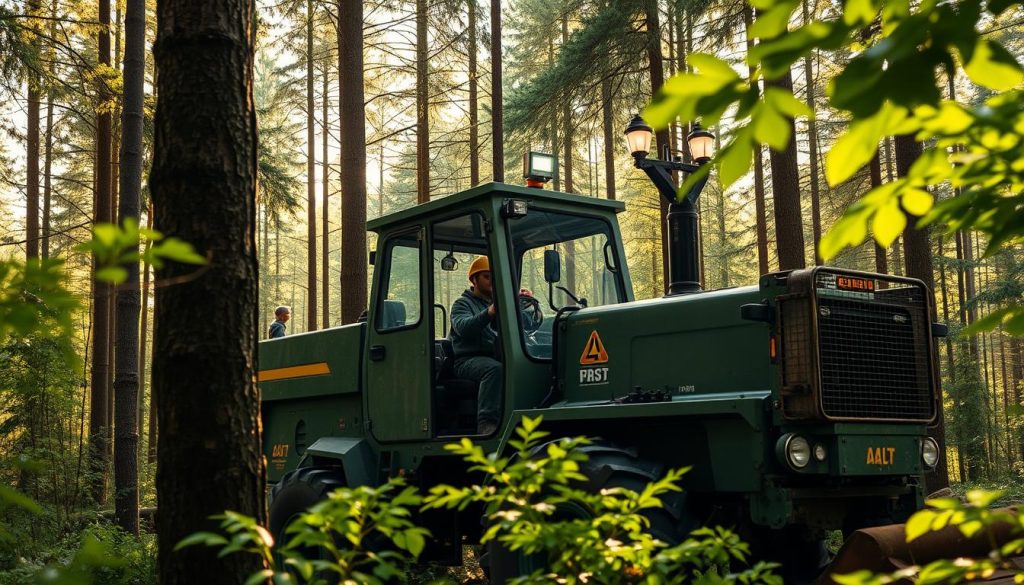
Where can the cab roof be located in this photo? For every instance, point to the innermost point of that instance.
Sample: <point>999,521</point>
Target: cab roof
<point>487,191</point>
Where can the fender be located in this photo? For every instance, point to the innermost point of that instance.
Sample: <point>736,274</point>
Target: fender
<point>354,454</point>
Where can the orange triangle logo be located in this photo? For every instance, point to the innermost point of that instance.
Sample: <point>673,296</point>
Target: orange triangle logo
<point>594,352</point>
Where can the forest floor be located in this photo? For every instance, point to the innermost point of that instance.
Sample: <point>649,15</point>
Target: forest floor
<point>1011,485</point>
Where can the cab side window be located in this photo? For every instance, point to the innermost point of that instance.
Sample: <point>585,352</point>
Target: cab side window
<point>401,300</point>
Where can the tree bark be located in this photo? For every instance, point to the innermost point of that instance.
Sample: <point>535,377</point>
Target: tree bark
<point>32,164</point>
<point>325,266</point>
<point>567,137</point>
<point>497,122</point>
<point>48,148</point>
<point>126,344</point>
<point>812,145</point>
<point>143,334</point>
<point>789,233</point>
<point>474,121</point>
<point>311,318</point>
<point>881,257</point>
<point>47,176</point>
<point>422,105</point>
<point>760,206</point>
<point>917,252</point>
<point>100,374</point>
<point>608,126</point>
<point>1016,377</point>
<point>657,73</point>
<point>204,371</point>
<point>353,161</point>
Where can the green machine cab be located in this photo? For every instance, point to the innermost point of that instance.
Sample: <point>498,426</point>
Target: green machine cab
<point>801,403</point>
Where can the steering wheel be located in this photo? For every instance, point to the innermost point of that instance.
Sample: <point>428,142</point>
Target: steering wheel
<point>530,306</point>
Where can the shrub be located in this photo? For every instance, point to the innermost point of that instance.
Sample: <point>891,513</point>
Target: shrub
<point>972,518</point>
<point>366,535</point>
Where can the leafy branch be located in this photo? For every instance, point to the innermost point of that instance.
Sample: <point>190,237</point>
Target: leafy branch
<point>887,88</point>
<point>115,246</point>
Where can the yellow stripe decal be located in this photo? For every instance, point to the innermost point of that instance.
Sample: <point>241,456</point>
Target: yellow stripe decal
<point>318,369</point>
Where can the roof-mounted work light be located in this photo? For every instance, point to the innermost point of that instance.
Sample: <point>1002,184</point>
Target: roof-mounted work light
<point>539,168</point>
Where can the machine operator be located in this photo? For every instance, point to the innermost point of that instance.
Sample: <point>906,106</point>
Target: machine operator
<point>473,338</point>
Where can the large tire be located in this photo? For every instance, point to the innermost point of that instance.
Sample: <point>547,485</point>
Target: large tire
<point>297,491</point>
<point>608,466</point>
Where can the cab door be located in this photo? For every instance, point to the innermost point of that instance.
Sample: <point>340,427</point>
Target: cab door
<point>400,348</point>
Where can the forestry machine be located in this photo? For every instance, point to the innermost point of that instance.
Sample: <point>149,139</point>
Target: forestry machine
<point>801,403</point>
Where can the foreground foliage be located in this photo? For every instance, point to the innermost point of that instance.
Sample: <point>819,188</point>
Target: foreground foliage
<point>350,531</point>
<point>973,518</point>
<point>531,504</point>
<point>889,87</point>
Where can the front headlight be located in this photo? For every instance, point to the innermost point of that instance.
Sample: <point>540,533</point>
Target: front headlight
<point>929,452</point>
<point>798,452</point>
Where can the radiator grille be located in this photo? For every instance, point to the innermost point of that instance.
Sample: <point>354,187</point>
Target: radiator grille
<point>874,354</point>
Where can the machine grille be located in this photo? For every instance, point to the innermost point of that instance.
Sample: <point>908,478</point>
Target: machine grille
<point>873,353</point>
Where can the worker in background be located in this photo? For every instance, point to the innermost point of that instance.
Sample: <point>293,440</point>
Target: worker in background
<point>281,314</point>
<point>473,340</point>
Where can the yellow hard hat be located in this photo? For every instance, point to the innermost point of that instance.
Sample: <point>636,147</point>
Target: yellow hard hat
<point>480,264</point>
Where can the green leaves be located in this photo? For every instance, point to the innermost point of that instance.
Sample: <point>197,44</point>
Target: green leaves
<point>344,527</point>
<point>115,247</point>
<point>971,519</point>
<point>859,143</point>
<point>710,91</point>
<point>889,87</point>
<point>992,66</point>
<point>34,298</point>
<point>534,502</point>
<point>1011,319</point>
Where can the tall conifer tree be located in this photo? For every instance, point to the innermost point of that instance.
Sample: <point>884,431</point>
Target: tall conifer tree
<point>204,188</point>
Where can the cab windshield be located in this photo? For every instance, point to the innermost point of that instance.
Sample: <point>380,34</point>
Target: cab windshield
<point>588,269</point>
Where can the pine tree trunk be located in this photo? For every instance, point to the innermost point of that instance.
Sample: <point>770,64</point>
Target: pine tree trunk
<point>657,74</point>
<point>760,206</point>
<point>945,303</point>
<point>567,135</point>
<point>918,253</point>
<point>48,148</point>
<point>497,111</point>
<point>47,176</point>
<point>353,161</point>
<point>32,162</point>
<point>203,183</point>
<point>325,266</point>
<point>474,121</point>
<point>881,257</point>
<point>311,317</point>
<point>607,123</point>
<point>1016,377</point>
<point>812,145</point>
<point>143,336</point>
<point>723,260</point>
<point>789,233</point>
<point>608,128</point>
<point>126,344</point>
<point>100,374</point>
<point>422,105</point>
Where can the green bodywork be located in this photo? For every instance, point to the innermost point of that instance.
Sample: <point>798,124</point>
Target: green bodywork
<point>687,381</point>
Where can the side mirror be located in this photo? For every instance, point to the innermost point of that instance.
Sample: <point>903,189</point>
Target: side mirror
<point>449,263</point>
<point>552,266</point>
<point>373,257</point>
